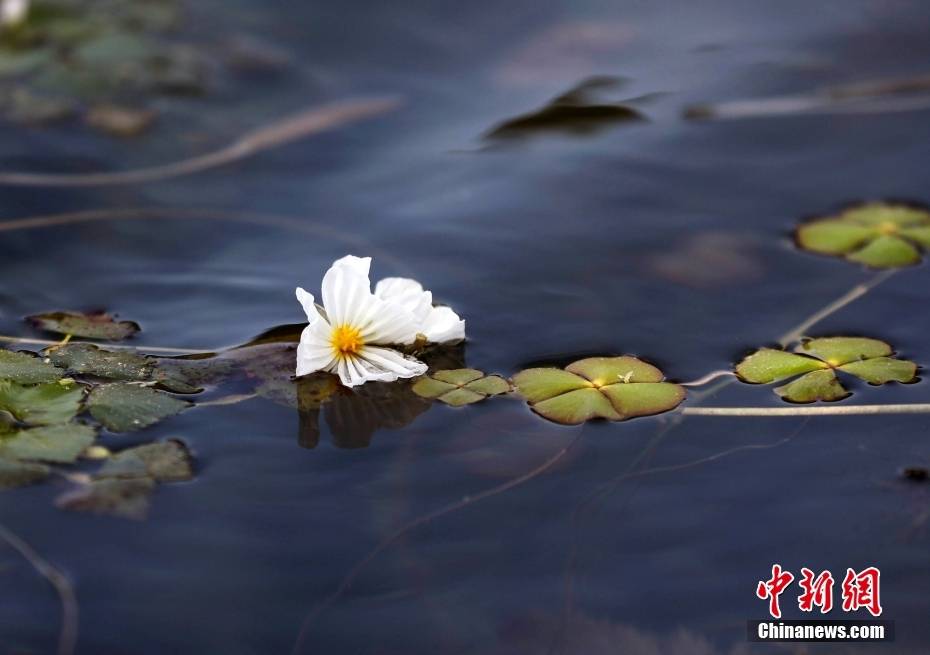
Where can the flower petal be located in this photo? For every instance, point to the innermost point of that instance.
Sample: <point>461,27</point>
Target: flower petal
<point>307,302</point>
<point>346,288</point>
<point>392,363</point>
<point>314,352</point>
<point>407,293</point>
<point>441,325</point>
<point>385,323</point>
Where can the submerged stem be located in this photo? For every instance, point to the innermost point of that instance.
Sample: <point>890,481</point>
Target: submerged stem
<point>818,410</point>
<point>67,638</point>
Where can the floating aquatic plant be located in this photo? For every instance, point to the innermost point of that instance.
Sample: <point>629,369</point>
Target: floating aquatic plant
<point>89,326</point>
<point>460,387</point>
<point>877,234</point>
<point>815,363</point>
<point>612,388</point>
<point>353,334</point>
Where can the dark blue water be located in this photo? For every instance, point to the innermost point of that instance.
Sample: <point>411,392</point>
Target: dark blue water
<point>663,238</point>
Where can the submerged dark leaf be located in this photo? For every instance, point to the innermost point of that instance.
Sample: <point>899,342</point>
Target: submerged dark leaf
<point>165,461</point>
<point>88,359</point>
<point>123,407</point>
<point>124,498</point>
<point>89,326</point>
<point>20,474</point>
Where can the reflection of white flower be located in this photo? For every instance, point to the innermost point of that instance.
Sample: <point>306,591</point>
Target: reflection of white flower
<point>13,12</point>
<point>349,339</point>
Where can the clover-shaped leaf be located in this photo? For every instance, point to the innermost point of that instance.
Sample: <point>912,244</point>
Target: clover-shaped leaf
<point>816,361</point>
<point>460,387</point>
<point>612,388</point>
<point>90,326</point>
<point>877,234</point>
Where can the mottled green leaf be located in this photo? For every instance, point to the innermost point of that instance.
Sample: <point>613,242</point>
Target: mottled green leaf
<point>165,461</point>
<point>458,377</point>
<point>427,387</point>
<point>577,407</point>
<point>53,443</point>
<point>887,251</point>
<point>26,368</point>
<point>538,384</point>
<point>818,385</point>
<point>123,407</point>
<point>124,498</point>
<point>841,350</point>
<point>88,359</point>
<point>878,213</point>
<point>460,387</point>
<point>43,404</point>
<point>20,474</point>
<point>89,326</point>
<point>882,370</point>
<point>644,399</point>
<point>833,237</point>
<point>461,396</point>
<point>608,370</point>
<point>491,385</point>
<point>581,392</point>
<point>770,365</point>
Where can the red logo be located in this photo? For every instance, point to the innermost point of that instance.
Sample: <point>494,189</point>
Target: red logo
<point>860,590</point>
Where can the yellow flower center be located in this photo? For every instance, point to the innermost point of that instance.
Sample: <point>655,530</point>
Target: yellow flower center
<point>346,340</point>
<point>887,227</point>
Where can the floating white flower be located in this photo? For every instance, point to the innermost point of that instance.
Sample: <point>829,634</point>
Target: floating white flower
<point>352,336</point>
<point>13,12</point>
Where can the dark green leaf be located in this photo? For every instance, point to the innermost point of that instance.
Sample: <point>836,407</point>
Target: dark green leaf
<point>43,404</point>
<point>26,368</point>
<point>54,443</point>
<point>165,461</point>
<point>123,407</point>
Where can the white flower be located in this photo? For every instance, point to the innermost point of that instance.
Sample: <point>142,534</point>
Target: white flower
<point>13,12</point>
<point>349,339</point>
<point>436,324</point>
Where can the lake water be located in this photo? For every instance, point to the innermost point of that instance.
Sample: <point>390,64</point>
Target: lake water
<point>664,238</point>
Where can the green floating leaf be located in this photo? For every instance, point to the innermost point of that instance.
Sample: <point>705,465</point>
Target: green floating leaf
<point>818,385</point>
<point>124,498</point>
<point>20,474</point>
<point>460,386</point>
<point>878,234</point>
<point>612,388</point>
<point>165,461</point>
<point>89,326</point>
<point>882,370</point>
<point>770,365</point>
<point>867,359</point>
<point>842,350</point>
<point>43,404</point>
<point>54,443</point>
<point>123,407</point>
<point>26,368</point>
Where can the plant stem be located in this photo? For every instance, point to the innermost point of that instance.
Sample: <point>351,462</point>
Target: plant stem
<point>818,410</point>
<point>67,639</point>
<point>850,296</point>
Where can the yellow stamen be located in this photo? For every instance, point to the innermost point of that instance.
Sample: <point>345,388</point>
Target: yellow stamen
<point>346,340</point>
<point>887,227</point>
